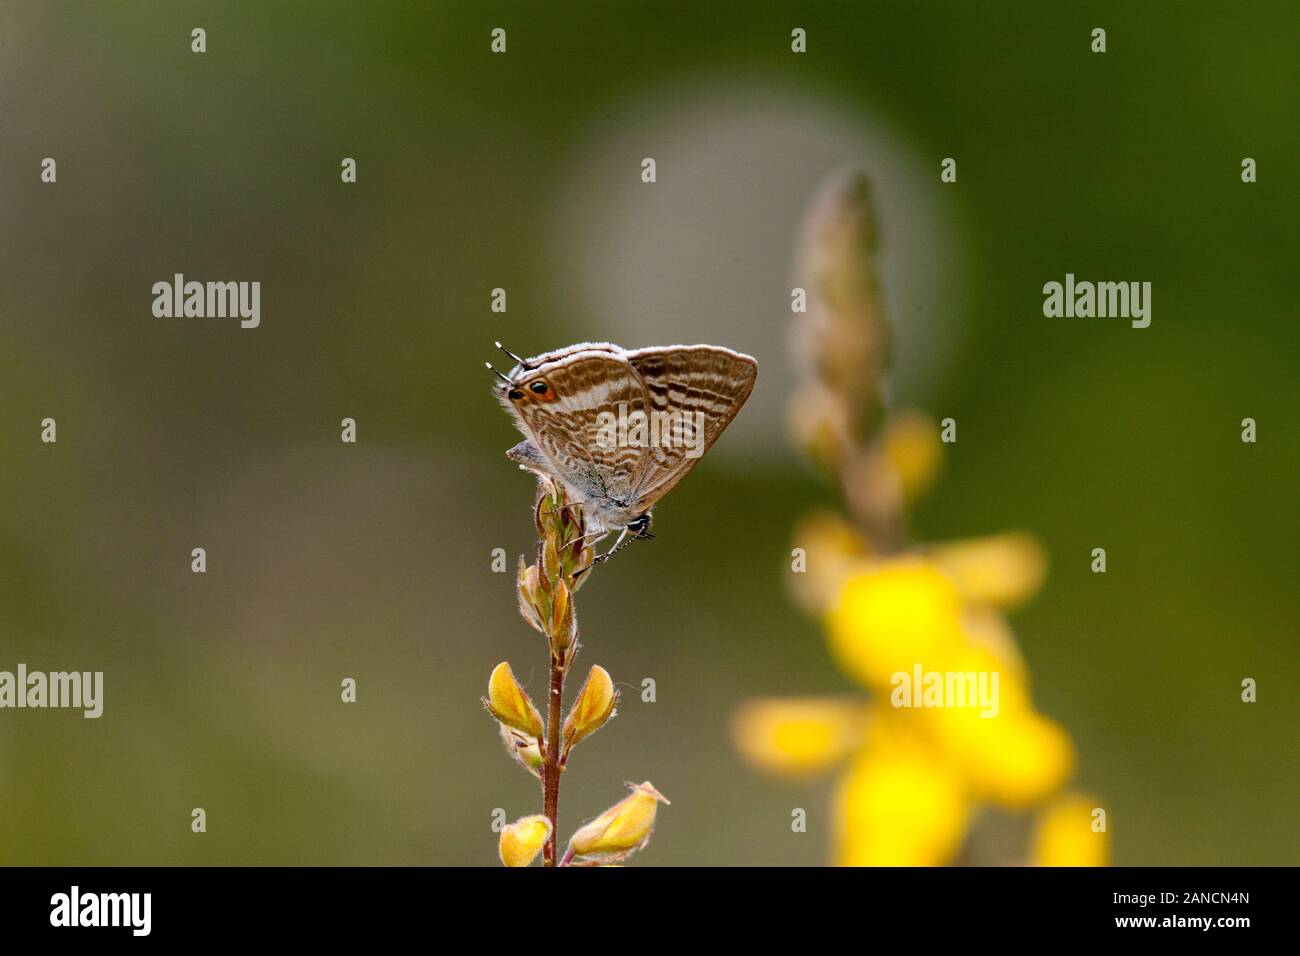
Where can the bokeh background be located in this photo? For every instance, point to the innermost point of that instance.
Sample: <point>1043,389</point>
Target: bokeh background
<point>522,171</point>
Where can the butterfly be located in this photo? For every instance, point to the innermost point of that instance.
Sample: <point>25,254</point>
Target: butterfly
<point>618,428</point>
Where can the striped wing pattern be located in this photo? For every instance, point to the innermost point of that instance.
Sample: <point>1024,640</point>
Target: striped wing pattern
<point>684,380</point>
<point>565,428</point>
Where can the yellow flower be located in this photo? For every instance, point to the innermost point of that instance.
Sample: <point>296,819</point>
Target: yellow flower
<point>911,442</point>
<point>892,614</point>
<point>593,706</point>
<point>1069,833</point>
<point>620,831</point>
<point>831,550</point>
<point>1009,754</point>
<point>509,704</point>
<point>798,736</point>
<point>951,725</point>
<point>899,806</point>
<point>522,840</point>
<point>1015,760</point>
<point>1003,570</point>
<point>985,630</point>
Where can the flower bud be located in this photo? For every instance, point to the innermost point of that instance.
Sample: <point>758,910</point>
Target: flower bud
<point>545,492</point>
<point>819,424</point>
<point>552,565</point>
<point>509,704</point>
<point>620,831</point>
<point>573,525</point>
<point>593,706</point>
<point>563,626</point>
<point>842,339</point>
<point>526,750</point>
<point>522,840</point>
<point>530,594</point>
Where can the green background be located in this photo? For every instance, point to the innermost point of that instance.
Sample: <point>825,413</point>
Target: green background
<point>329,560</point>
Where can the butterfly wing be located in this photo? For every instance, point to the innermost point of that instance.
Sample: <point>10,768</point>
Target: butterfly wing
<point>684,380</point>
<point>564,422</point>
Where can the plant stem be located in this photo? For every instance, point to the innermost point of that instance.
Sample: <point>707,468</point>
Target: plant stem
<point>551,766</point>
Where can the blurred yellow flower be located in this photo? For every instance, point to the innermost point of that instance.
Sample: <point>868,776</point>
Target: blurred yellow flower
<point>918,766</point>
<point>911,444</point>
<point>899,806</point>
<point>1003,570</point>
<point>951,725</point>
<point>798,736</point>
<point>1014,760</point>
<point>1069,833</point>
<point>891,614</point>
<point>984,629</point>
<point>829,550</point>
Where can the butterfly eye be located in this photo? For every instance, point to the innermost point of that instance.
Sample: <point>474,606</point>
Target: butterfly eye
<point>538,387</point>
<point>515,394</point>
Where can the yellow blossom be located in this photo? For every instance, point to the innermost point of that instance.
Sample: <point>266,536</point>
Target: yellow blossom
<point>899,806</point>
<point>798,736</point>
<point>984,629</point>
<point>620,831</point>
<point>831,549</point>
<point>951,725</point>
<point>1014,760</point>
<point>1003,570</point>
<point>594,705</point>
<point>522,840</point>
<point>1008,753</point>
<point>891,615</point>
<point>510,704</point>
<point>911,443</point>
<point>1069,833</point>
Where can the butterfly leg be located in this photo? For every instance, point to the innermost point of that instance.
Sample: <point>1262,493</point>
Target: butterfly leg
<point>618,546</point>
<point>594,537</point>
<point>640,528</point>
<point>618,543</point>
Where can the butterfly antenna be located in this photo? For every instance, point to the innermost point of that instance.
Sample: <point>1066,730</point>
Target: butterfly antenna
<point>518,360</point>
<point>501,375</point>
